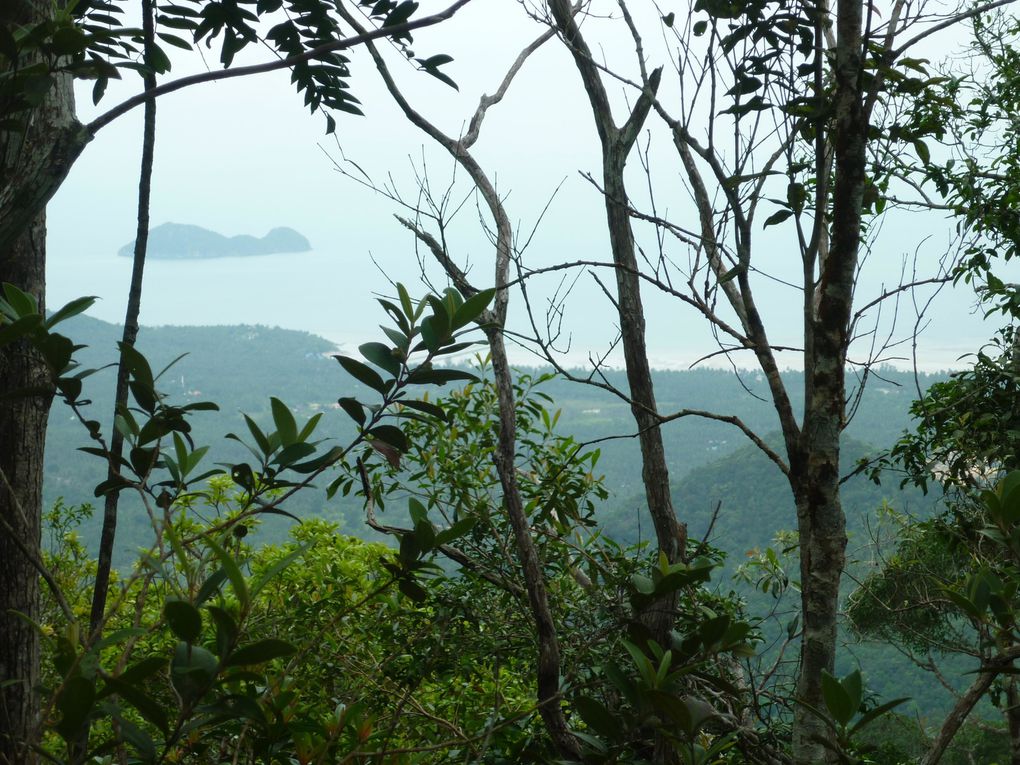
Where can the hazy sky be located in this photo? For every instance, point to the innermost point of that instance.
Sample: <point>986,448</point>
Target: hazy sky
<point>243,156</point>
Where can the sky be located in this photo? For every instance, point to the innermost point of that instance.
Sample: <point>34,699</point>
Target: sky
<point>243,156</point>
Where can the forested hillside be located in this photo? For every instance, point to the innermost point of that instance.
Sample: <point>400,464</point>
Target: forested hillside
<point>719,478</point>
<point>240,367</point>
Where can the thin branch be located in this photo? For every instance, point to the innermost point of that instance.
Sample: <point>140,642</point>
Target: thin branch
<point>895,54</point>
<point>469,138</point>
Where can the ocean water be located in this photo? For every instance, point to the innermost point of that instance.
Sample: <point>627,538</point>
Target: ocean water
<point>328,294</point>
<point>313,291</point>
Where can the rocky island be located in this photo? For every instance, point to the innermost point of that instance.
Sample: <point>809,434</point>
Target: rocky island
<point>179,241</point>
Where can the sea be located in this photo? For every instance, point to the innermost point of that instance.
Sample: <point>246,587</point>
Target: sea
<point>322,292</point>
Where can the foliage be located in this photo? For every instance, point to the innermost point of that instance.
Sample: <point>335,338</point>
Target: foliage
<point>968,427</point>
<point>210,681</point>
<point>979,172</point>
<point>89,39</point>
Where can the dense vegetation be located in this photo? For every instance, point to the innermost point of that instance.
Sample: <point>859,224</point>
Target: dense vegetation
<point>722,482</point>
<point>466,637</point>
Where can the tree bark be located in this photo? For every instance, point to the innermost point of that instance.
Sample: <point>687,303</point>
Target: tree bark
<point>23,423</point>
<point>815,479</point>
<point>22,436</point>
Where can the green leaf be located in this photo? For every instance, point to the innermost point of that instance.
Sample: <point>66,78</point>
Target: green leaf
<point>132,693</point>
<point>700,27</point>
<point>226,630</point>
<point>243,476</point>
<point>137,365</point>
<point>877,712</point>
<point>284,421</point>
<point>405,303</point>
<point>427,408</point>
<point>391,435</point>
<point>142,669</point>
<point>837,699</point>
<point>428,376</point>
<point>922,151</point>
<point>183,619</point>
<point>597,717</point>
<point>291,454</point>
<point>74,704</point>
<point>192,670</point>
<point>362,373</point>
<point>211,586</point>
<point>136,737</point>
<point>22,303</point>
<point>72,308</point>
<point>777,217</point>
<point>400,14</point>
<point>382,356</point>
<point>433,333</point>
<point>854,686</point>
<point>457,530</point>
<point>259,436</point>
<point>412,590</point>
<point>232,571</point>
<point>19,328</point>
<point>309,427</point>
<point>354,409</point>
<point>417,511</point>
<point>260,652</point>
<point>472,308</point>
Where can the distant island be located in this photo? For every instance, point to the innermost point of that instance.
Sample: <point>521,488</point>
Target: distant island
<point>180,241</point>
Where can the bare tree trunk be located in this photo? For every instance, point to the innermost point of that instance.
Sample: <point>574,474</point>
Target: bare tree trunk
<point>548,665</point>
<point>23,428</point>
<point>548,671</point>
<point>617,143</point>
<point>821,521</point>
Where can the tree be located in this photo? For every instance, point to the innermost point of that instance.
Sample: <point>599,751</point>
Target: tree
<point>815,118</point>
<point>43,46</point>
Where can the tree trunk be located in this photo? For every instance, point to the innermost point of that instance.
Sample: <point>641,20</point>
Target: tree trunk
<point>104,561</point>
<point>22,437</point>
<point>821,522</point>
<point>669,533</point>
<point>23,424</point>
<point>617,142</point>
